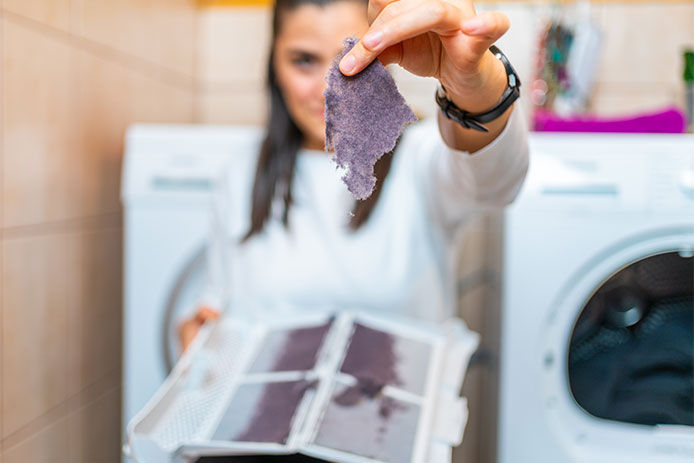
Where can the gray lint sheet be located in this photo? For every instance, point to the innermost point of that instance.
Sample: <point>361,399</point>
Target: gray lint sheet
<point>365,114</point>
<point>349,387</point>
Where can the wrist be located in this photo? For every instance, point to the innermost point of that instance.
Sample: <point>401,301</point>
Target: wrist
<point>479,92</point>
<point>494,116</point>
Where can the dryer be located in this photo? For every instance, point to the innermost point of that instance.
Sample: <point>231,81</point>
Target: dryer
<point>597,327</point>
<point>170,177</point>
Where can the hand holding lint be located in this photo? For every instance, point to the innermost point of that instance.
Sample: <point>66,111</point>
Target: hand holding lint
<point>444,39</point>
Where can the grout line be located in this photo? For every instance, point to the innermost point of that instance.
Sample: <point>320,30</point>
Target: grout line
<point>95,391</point>
<point>142,65</point>
<point>35,426</point>
<point>74,409</point>
<point>87,396</point>
<point>87,223</point>
<point>2,212</point>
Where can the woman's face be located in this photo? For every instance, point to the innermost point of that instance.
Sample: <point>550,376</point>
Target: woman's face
<point>309,38</point>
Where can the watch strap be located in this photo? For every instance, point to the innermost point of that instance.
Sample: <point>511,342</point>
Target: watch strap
<point>475,121</point>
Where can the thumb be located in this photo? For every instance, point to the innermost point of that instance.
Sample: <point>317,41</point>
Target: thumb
<point>483,30</point>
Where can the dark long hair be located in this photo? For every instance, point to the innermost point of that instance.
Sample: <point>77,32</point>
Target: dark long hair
<point>277,160</point>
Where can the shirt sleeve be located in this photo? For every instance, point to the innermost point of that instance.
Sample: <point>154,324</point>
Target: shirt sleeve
<point>458,184</point>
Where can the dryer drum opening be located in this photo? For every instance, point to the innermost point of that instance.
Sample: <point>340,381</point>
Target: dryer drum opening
<point>631,354</point>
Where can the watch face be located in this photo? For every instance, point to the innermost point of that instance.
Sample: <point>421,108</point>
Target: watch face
<point>512,81</point>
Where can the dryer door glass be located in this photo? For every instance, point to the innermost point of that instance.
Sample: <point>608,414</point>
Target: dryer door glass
<point>631,353</point>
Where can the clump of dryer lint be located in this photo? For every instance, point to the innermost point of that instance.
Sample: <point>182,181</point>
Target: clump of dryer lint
<point>365,115</point>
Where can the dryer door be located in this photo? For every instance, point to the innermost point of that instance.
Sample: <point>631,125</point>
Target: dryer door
<point>618,358</point>
<point>631,353</point>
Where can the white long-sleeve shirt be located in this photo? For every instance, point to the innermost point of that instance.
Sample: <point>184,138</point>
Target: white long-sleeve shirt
<point>400,260</point>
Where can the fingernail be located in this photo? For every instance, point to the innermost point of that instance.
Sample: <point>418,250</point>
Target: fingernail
<point>373,39</point>
<point>348,64</point>
<point>473,25</point>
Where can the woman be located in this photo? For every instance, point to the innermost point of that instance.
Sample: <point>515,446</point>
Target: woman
<point>301,239</point>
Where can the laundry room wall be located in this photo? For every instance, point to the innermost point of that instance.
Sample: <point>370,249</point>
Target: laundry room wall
<point>75,74</point>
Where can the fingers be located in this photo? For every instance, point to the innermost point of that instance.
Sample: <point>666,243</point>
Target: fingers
<point>190,328</point>
<point>390,29</point>
<point>375,8</point>
<point>187,332</point>
<point>485,29</point>
<point>391,55</point>
<point>206,314</point>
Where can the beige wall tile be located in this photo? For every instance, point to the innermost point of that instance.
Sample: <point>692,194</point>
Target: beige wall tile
<point>50,445</point>
<point>233,44</point>
<point>2,103</point>
<point>110,97</point>
<point>104,93</point>
<point>41,170</point>
<point>643,43</point>
<point>612,99</point>
<point>241,106</point>
<point>160,31</point>
<point>2,411</point>
<point>95,317</point>
<point>54,13</point>
<point>160,102</point>
<point>94,431</point>
<point>37,280</point>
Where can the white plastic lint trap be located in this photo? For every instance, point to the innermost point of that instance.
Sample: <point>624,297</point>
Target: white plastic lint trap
<point>350,388</point>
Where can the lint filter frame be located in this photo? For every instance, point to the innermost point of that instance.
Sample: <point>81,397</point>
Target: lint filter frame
<point>184,414</point>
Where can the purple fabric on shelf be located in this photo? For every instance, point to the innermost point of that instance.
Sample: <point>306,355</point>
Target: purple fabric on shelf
<point>364,116</point>
<point>669,120</point>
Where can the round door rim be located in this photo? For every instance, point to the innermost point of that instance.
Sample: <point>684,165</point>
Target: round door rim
<point>583,434</point>
<point>193,264</point>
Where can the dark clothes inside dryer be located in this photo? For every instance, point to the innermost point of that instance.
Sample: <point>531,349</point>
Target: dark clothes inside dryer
<point>631,356</point>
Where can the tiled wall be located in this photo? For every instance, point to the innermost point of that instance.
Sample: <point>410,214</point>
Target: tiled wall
<point>75,74</point>
<point>232,53</point>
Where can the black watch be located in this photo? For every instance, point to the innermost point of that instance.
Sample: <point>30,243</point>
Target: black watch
<point>475,121</point>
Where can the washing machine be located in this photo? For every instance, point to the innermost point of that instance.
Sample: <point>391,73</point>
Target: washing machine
<point>597,327</point>
<point>171,176</point>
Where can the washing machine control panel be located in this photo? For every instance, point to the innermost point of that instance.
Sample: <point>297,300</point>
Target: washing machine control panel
<point>180,162</point>
<point>615,173</point>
